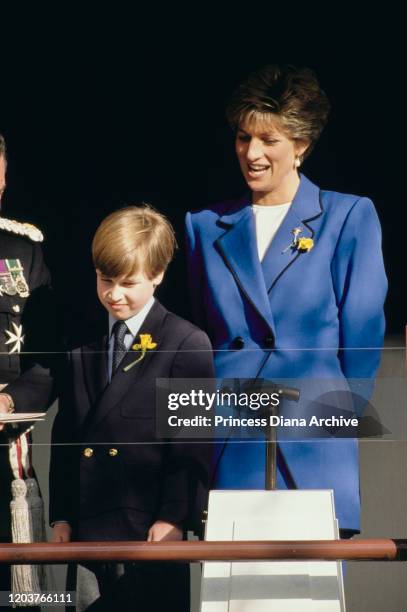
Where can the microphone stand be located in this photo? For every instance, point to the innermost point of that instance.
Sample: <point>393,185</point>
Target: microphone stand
<point>287,393</point>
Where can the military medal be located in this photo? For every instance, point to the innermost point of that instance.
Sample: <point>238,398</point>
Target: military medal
<point>7,284</point>
<point>17,272</point>
<point>15,337</point>
<point>12,279</point>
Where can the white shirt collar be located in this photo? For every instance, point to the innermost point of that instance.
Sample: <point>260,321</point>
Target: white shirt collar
<point>136,321</point>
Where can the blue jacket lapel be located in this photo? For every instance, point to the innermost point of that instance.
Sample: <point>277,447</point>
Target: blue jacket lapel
<point>238,247</point>
<point>304,209</point>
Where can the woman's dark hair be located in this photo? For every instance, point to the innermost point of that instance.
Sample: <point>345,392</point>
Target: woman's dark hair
<point>291,94</point>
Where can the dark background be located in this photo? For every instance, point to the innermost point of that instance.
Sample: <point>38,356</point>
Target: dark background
<point>100,110</point>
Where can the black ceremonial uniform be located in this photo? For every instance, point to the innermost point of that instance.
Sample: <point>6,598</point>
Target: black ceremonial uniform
<point>27,336</point>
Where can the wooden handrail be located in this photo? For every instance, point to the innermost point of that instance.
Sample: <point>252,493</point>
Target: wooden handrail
<point>329,550</point>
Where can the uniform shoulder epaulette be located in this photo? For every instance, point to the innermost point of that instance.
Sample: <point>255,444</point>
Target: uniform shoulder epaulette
<point>23,229</point>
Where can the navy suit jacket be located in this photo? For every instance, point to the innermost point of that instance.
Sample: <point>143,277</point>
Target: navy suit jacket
<point>110,473</point>
<point>295,315</point>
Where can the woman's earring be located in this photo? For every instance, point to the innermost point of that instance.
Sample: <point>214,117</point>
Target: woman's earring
<point>297,162</point>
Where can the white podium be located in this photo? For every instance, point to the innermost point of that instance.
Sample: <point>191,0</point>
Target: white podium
<point>305,586</point>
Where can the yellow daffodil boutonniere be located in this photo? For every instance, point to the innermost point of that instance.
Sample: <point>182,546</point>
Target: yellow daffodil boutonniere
<point>305,244</point>
<point>146,344</point>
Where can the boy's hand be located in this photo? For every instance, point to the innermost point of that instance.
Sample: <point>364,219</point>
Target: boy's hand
<point>161,530</point>
<point>61,532</point>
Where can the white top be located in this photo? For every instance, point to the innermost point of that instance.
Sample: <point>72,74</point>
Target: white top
<point>267,221</point>
<point>133,325</point>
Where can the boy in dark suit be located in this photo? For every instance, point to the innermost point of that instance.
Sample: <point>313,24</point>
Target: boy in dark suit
<point>110,478</point>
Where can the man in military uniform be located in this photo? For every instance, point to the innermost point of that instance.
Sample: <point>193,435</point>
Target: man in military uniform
<point>27,337</point>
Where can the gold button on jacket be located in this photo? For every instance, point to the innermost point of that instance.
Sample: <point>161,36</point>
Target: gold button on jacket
<point>88,452</point>
<point>113,452</point>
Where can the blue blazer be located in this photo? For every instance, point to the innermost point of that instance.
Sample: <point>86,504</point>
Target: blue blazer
<point>295,315</point>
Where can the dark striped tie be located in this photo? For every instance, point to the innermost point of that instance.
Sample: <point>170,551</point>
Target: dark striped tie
<point>120,329</point>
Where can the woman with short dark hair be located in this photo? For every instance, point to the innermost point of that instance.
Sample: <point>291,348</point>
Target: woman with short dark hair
<point>291,95</point>
<point>289,282</point>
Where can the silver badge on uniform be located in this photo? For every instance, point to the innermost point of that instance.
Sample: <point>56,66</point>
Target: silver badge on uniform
<point>15,338</point>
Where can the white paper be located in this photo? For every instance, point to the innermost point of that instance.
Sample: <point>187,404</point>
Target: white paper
<point>20,417</point>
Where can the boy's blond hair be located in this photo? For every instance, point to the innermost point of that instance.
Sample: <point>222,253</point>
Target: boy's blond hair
<point>131,240</point>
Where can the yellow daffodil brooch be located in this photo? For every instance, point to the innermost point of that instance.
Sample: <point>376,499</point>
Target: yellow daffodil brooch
<point>146,344</point>
<point>303,245</point>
